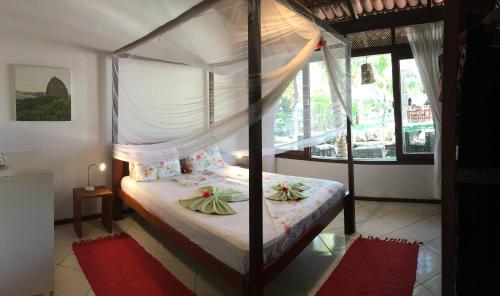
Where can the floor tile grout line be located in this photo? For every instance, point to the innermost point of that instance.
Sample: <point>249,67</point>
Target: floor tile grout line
<point>420,220</point>
<point>377,217</point>
<point>297,276</point>
<point>440,273</point>
<point>80,270</point>
<point>432,293</point>
<point>301,259</point>
<point>388,213</point>
<point>407,225</point>
<point>400,228</point>
<point>67,255</point>
<point>319,235</point>
<point>331,250</point>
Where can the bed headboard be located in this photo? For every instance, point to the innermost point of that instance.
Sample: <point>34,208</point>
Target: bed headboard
<point>120,170</point>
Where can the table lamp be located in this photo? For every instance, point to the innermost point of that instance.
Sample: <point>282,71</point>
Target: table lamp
<point>102,167</point>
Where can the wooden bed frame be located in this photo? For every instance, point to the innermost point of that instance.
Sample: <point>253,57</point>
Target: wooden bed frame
<point>228,274</point>
<point>259,274</point>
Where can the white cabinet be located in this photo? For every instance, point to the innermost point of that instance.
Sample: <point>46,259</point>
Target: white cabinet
<point>26,229</point>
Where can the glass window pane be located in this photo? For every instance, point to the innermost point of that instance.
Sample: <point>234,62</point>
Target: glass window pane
<point>373,109</point>
<point>418,124</point>
<point>289,123</point>
<point>325,115</point>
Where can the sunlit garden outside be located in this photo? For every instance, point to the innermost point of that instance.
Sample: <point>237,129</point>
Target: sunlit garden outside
<point>289,122</point>
<point>418,125</point>
<point>372,107</point>
<point>373,129</point>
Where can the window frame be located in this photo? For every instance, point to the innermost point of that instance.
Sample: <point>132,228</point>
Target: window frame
<point>425,157</point>
<point>403,52</point>
<point>398,52</point>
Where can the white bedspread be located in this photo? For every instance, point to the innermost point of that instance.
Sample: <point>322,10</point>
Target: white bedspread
<point>226,237</point>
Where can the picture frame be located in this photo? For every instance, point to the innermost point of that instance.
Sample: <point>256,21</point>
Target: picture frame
<point>42,93</point>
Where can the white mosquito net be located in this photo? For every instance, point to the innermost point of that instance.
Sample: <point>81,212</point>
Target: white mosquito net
<point>153,120</point>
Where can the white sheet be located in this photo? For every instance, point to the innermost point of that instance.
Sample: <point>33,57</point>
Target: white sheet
<point>226,237</point>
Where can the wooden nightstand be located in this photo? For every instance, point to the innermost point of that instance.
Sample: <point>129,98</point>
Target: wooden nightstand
<point>107,207</point>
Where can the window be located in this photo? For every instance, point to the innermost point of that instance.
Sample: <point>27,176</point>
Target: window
<point>324,115</point>
<point>418,125</point>
<point>305,109</point>
<point>289,122</point>
<point>373,126</point>
<point>392,118</point>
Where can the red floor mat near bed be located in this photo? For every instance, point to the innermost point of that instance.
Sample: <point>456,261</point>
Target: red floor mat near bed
<point>118,265</point>
<point>374,267</point>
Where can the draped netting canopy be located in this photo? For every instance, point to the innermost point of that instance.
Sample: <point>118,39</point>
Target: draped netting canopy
<point>153,121</point>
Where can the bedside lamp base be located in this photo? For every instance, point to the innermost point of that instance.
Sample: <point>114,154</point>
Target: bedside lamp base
<point>89,188</point>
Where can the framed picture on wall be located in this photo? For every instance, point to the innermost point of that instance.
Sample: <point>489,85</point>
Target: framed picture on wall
<point>42,93</point>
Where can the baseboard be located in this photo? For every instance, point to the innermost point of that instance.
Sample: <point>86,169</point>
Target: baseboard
<point>399,199</point>
<point>88,217</point>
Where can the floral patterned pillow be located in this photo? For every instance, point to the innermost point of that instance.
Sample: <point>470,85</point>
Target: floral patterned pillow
<point>206,159</point>
<point>154,171</point>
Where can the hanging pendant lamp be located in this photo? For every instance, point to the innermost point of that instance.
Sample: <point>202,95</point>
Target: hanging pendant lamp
<point>367,74</point>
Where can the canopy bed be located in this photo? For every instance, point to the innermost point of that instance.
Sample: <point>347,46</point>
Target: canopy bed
<point>254,51</point>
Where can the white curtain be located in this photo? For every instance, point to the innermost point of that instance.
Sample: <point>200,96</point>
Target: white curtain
<point>426,43</point>
<point>158,121</point>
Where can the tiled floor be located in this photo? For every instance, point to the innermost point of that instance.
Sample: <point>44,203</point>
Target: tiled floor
<point>421,222</point>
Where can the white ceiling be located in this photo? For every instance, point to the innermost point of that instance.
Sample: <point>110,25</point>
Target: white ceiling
<point>98,24</point>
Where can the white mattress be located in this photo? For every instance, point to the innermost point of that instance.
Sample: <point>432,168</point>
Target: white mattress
<point>226,236</point>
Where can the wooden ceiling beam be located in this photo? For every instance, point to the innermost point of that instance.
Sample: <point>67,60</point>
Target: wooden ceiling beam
<point>307,13</point>
<point>354,15</point>
<point>322,4</point>
<point>390,19</point>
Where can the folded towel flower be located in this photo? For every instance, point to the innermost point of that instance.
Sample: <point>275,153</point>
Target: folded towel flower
<point>214,200</point>
<point>292,191</point>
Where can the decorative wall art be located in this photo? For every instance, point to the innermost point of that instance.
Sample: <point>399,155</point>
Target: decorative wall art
<point>42,93</point>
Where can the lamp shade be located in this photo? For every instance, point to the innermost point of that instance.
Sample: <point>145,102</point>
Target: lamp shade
<point>367,75</point>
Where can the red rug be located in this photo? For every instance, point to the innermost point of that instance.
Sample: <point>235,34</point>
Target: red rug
<point>374,267</point>
<point>118,265</point>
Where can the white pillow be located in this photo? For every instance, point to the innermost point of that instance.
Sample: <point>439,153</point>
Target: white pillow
<point>154,171</point>
<point>206,159</point>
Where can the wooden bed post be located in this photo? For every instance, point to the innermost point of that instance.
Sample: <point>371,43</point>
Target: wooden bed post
<point>255,287</point>
<point>451,56</point>
<point>349,208</point>
<point>117,172</point>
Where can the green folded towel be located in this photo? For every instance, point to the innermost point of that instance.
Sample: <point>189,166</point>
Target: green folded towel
<point>292,191</point>
<point>214,200</point>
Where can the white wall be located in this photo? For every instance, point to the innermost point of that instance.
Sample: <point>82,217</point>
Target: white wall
<point>313,169</point>
<point>402,181</point>
<point>405,181</point>
<point>68,147</point>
